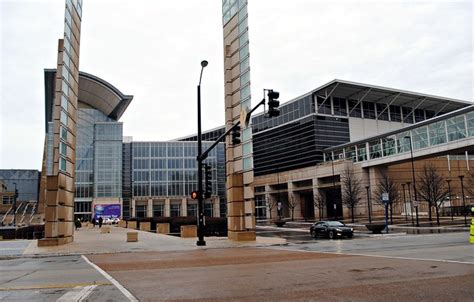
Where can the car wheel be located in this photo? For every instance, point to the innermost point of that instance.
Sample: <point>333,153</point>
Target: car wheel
<point>331,235</point>
<point>350,236</point>
<point>313,234</point>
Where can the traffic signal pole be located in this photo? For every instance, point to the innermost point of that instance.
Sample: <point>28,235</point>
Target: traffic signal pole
<point>203,155</point>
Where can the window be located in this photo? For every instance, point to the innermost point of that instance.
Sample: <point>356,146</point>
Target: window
<point>63,118</point>
<point>351,153</point>
<point>141,211</point>
<point>404,142</point>
<point>470,123</point>
<point>245,78</point>
<point>62,164</point>
<point>63,148</point>
<point>324,106</point>
<point>419,115</point>
<point>375,149</point>
<point>64,103</point>
<point>420,137</point>
<point>354,110</point>
<point>437,133</point>
<point>339,106</point>
<point>456,128</point>
<point>382,112</point>
<point>369,110</point>
<point>208,210</point>
<point>192,210</point>
<point>407,116</point>
<point>175,209</point>
<point>389,146</point>
<point>361,152</point>
<point>395,114</point>
<point>158,210</point>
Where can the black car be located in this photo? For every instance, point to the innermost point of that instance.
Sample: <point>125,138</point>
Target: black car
<point>331,229</point>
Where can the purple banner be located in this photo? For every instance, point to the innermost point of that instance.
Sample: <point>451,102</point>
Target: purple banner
<point>107,211</point>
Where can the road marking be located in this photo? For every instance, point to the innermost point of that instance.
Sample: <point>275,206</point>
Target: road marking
<point>78,294</point>
<point>51,286</point>
<point>115,282</point>
<point>379,256</point>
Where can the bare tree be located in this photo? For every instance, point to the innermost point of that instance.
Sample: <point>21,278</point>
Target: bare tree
<point>432,189</point>
<point>292,203</point>
<point>271,204</point>
<point>351,190</point>
<point>319,203</point>
<point>388,186</point>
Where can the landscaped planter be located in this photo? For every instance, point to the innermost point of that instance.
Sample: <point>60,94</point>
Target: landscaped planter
<point>375,228</point>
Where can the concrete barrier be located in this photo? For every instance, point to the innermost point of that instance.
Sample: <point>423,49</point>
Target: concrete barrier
<point>163,228</point>
<point>132,225</point>
<point>188,231</point>
<point>145,226</point>
<point>122,223</point>
<point>132,236</point>
<point>105,230</point>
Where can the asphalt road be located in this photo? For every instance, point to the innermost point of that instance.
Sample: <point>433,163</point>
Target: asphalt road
<point>446,247</point>
<point>262,274</point>
<point>68,278</point>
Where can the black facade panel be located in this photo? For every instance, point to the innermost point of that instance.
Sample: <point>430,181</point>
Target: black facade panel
<point>126,179</point>
<point>297,145</point>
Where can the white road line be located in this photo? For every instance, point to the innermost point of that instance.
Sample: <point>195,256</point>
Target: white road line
<point>368,255</point>
<point>78,294</point>
<point>114,282</point>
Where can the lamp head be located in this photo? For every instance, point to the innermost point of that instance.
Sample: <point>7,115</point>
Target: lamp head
<point>204,63</point>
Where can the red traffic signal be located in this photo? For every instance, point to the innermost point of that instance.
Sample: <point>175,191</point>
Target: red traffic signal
<point>195,195</point>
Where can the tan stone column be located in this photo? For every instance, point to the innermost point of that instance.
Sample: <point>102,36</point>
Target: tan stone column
<point>134,208</point>
<point>167,208</point>
<point>184,207</point>
<point>149,208</point>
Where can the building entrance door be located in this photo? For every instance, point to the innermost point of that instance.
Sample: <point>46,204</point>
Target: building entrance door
<point>307,204</point>
<point>334,204</point>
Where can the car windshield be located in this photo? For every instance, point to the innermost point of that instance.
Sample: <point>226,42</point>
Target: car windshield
<point>335,223</point>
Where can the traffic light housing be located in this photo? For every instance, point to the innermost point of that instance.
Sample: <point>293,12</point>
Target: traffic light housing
<point>236,135</point>
<point>16,193</point>
<point>194,194</point>
<point>207,181</point>
<point>273,103</point>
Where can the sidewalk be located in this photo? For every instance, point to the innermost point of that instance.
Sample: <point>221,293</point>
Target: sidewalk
<point>90,241</point>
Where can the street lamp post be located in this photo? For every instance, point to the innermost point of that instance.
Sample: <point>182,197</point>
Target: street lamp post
<point>414,181</point>
<point>14,205</point>
<point>368,203</point>
<point>200,230</point>
<point>461,177</point>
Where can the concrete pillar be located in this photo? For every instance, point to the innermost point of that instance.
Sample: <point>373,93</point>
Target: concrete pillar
<point>149,208</point>
<point>133,209</point>
<point>216,207</point>
<point>167,207</point>
<point>184,207</point>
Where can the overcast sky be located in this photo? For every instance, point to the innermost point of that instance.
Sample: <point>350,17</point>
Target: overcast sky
<point>153,49</point>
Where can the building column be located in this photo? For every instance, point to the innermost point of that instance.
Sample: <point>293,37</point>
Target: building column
<point>216,208</point>
<point>133,209</point>
<point>167,207</point>
<point>184,206</point>
<point>149,208</point>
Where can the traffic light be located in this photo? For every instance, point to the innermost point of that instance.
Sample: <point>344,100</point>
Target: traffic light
<point>207,181</point>
<point>273,103</point>
<point>16,193</point>
<point>236,135</point>
<point>194,194</point>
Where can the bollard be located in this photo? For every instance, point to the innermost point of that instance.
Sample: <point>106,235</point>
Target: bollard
<point>132,236</point>
<point>471,237</point>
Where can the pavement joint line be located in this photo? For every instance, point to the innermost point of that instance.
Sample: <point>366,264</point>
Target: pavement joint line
<point>111,279</point>
<point>51,286</point>
<point>380,256</point>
